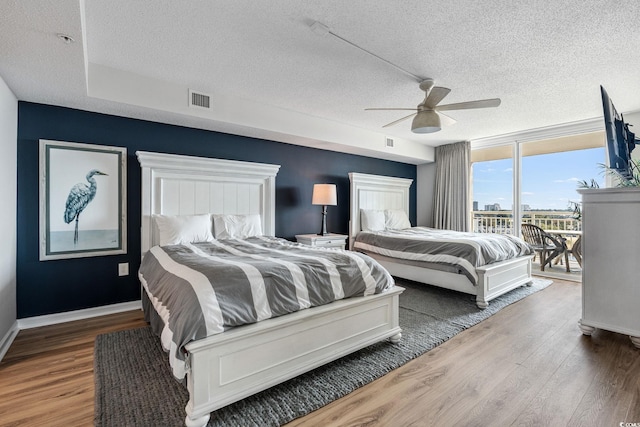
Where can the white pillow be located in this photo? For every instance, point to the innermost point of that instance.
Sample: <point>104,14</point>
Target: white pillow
<point>396,219</point>
<point>371,220</point>
<point>180,229</point>
<point>237,226</point>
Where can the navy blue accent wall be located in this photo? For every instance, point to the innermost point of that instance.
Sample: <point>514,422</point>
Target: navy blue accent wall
<point>62,285</point>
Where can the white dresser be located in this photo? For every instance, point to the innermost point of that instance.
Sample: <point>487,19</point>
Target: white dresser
<point>611,261</point>
<point>328,241</point>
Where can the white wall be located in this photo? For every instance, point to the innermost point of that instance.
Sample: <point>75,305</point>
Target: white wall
<point>8,183</point>
<point>426,178</point>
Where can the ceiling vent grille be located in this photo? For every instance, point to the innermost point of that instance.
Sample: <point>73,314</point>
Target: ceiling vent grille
<point>199,100</point>
<point>389,142</point>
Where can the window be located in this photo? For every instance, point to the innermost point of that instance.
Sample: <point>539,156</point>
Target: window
<point>492,191</point>
<point>541,180</point>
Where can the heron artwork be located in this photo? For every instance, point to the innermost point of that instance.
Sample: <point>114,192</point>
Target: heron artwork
<point>79,197</point>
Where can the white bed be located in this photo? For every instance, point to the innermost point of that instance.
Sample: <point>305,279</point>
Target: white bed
<point>242,361</point>
<point>382,192</point>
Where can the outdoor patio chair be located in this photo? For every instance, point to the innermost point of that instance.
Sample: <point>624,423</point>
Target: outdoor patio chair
<point>549,247</point>
<point>576,250</point>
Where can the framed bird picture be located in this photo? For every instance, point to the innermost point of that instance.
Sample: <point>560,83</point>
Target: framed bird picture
<point>82,200</point>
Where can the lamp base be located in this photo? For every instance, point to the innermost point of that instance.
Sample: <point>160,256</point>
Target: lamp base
<point>324,231</point>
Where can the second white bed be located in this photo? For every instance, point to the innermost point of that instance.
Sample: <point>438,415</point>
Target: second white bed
<point>374,192</point>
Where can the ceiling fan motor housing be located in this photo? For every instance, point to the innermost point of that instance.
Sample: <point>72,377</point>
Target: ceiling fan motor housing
<point>426,121</point>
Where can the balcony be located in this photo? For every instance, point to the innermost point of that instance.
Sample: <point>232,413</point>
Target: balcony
<point>501,222</point>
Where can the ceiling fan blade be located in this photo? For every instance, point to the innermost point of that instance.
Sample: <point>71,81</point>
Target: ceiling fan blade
<point>399,120</point>
<point>446,120</point>
<point>483,103</point>
<point>436,95</point>
<point>388,109</point>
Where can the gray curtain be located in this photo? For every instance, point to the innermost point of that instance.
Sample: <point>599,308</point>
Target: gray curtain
<point>451,199</point>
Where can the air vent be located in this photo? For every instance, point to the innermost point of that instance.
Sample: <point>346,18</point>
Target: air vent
<point>389,142</point>
<point>198,99</point>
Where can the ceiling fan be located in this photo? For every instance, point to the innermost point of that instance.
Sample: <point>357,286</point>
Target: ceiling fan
<point>428,114</point>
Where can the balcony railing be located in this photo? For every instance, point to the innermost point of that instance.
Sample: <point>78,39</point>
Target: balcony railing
<point>501,222</point>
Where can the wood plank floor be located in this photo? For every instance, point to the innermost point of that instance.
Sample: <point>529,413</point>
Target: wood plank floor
<point>527,365</point>
<point>46,377</point>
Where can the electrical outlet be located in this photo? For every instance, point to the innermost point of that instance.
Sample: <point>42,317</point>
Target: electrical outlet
<point>123,269</point>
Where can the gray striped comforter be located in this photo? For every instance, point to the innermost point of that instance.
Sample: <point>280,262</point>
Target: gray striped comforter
<point>202,289</point>
<point>464,251</point>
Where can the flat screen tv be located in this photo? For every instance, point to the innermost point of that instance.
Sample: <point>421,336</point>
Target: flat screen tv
<point>620,140</point>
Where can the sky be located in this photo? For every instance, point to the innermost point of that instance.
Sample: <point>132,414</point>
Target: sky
<point>549,181</point>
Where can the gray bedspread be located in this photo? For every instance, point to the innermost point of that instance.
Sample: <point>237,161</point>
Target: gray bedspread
<point>203,289</point>
<point>464,251</point>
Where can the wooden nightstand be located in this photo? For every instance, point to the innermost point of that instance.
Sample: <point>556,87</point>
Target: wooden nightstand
<point>328,241</point>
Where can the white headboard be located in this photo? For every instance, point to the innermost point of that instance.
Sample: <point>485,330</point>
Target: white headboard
<point>185,185</point>
<point>375,192</point>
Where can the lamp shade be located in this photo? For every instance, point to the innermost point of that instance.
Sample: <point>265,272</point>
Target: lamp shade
<point>324,194</point>
<point>426,121</point>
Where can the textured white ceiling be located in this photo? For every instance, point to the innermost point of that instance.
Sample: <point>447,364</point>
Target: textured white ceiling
<point>544,59</point>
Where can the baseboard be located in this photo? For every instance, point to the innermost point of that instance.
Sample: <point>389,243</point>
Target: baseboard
<point>69,316</point>
<point>8,338</point>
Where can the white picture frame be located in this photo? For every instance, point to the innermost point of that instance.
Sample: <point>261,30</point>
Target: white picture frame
<point>82,200</point>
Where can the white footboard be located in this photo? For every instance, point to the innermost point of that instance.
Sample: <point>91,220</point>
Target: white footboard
<point>243,361</point>
<point>493,280</point>
<point>501,277</point>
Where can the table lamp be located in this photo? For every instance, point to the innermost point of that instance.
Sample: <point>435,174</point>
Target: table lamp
<point>324,194</point>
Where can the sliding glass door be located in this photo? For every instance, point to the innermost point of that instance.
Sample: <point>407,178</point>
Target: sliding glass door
<point>550,181</point>
<point>492,190</point>
<point>535,182</point>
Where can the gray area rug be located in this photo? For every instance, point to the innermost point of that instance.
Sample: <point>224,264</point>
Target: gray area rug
<point>134,386</point>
